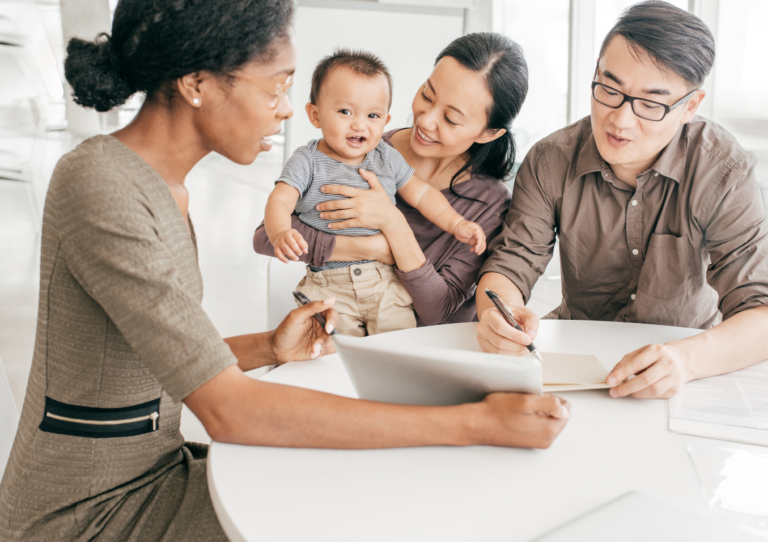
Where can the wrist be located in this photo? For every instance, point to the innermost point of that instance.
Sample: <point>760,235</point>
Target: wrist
<point>395,223</point>
<point>469,430</point>
<point>270,353</point>
<point>682,351</point>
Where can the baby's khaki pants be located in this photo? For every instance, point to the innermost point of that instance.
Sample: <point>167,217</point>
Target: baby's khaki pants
<point>369,297</point>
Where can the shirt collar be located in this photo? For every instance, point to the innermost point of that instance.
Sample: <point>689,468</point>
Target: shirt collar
<point>670,163</point>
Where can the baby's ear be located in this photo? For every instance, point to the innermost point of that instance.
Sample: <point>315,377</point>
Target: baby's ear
<point>313,115</point>
<point>389,118</point>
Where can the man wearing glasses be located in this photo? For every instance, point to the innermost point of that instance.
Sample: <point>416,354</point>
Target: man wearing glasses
<point>658,212</point>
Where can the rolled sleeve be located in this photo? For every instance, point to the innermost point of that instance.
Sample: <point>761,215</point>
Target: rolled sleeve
<point>320,244</point>
<point>736,240</point>
<point>437,295</point>
<point>526,243</point>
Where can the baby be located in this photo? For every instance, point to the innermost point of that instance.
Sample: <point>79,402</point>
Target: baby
<point>349,101</point>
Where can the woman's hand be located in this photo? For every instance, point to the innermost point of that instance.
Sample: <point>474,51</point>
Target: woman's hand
<point>301,337</point>
<point>495,335</point>
<point>362,208</point>
<point>521,420</point>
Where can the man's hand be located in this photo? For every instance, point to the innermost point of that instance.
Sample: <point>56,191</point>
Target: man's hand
<point>290,244</point>
<point>301,337</point>
<point>520,420</point>
<point>495,335</point>
<point>660,371</point>
<point>471,233</point>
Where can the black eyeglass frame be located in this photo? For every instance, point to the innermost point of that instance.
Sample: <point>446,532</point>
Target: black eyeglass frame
<point>631,100</point>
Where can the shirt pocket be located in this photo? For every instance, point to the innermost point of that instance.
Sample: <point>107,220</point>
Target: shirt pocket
<point>668,267</point>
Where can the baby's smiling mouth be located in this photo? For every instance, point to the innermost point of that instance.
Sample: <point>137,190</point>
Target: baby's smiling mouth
<point>356,141</point>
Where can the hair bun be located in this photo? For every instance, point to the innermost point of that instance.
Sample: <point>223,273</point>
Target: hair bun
<point>93,70</point>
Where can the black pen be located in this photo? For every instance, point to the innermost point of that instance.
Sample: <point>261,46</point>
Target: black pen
<point>303,300</point>
<point>509,317</point>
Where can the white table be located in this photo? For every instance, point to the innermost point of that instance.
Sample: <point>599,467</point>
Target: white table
<point>609,447</point>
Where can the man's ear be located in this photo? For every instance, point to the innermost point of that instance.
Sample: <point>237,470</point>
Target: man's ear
<point>314,118</point>
<point>190,88</point>
<point>692,105</point>
<point>491,135</point>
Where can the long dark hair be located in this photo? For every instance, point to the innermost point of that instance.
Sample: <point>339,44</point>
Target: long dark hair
<point>500,60</point>
<point>154,42</point>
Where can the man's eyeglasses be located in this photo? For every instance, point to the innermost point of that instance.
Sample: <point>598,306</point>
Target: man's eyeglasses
<point>645,109</point>
<point>277,90</point>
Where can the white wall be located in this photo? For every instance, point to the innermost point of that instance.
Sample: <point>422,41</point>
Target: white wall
<point>406,38</point>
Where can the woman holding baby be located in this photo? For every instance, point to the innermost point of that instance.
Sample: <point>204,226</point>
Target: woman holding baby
<point>122,339</point>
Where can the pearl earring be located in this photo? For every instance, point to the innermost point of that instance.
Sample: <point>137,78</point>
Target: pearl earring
<point>196,101</point>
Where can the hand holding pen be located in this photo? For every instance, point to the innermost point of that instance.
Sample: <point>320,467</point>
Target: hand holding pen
<point>509,317</point>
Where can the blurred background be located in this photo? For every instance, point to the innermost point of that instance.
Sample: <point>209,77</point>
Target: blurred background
<point>561,38</point>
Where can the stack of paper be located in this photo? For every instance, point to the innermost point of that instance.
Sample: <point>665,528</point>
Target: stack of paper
<point>729,407</point>
<point>568,372</point>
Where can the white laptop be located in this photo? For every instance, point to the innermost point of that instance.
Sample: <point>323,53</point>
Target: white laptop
<point>381,370</point>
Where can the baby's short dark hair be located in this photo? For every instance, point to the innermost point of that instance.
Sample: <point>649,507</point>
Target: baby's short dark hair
<point>360,62</point>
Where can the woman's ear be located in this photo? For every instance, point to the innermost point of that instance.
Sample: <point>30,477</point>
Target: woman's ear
<point>189,88</point>
<point>491,135</point>
<point>314,118</point>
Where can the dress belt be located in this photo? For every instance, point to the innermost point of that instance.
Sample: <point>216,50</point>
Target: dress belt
<point>90,422</point>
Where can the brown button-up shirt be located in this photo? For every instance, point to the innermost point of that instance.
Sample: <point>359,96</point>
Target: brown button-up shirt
<point>687,248</point>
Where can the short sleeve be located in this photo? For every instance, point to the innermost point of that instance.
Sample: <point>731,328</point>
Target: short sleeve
<point>401,171</point>
<point>110,241</point>
<point>297,171</point>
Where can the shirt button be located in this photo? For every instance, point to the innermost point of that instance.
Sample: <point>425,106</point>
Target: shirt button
<point>633,297</point>
<point>357,272</point>
<point>635,251</point>
<point>634,203</point>
<point>656,174</point>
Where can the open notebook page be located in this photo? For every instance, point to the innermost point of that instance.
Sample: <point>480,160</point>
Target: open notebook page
<point>566,372</point>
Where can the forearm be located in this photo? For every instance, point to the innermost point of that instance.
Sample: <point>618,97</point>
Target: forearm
<point>435,208</point>
<point>734,344</point>
<point>252,351</point>
<point>277,217</point>
<point>500,284</point>
<point>405,249</point>
<point>265,414</point>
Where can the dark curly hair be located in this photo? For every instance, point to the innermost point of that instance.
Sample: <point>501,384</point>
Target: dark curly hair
<point>154,42</point>
<point>500,61</point>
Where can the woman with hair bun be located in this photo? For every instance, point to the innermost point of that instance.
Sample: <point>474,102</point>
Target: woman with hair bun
<point>122,339</point>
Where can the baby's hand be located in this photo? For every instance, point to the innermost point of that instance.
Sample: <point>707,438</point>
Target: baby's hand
<point>471,233</point>
<point>289,244</point>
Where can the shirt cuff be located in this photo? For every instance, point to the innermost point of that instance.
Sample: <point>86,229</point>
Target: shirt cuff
<point>417,276</point>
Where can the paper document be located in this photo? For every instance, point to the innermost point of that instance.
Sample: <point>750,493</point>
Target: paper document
<point>729,407</point>
<point>568,372</point>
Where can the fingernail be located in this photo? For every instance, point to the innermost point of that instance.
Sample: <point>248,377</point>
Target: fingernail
<point>611,380</point>
<point>329,329</point>
<point>564,413</point>
<point>613,393</point>
<point>329,300</point>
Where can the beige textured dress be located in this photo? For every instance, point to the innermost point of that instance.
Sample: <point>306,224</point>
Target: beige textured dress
<point>121,340</point>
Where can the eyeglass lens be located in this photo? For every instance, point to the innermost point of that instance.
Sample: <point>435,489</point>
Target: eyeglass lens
<point>642,108</point>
